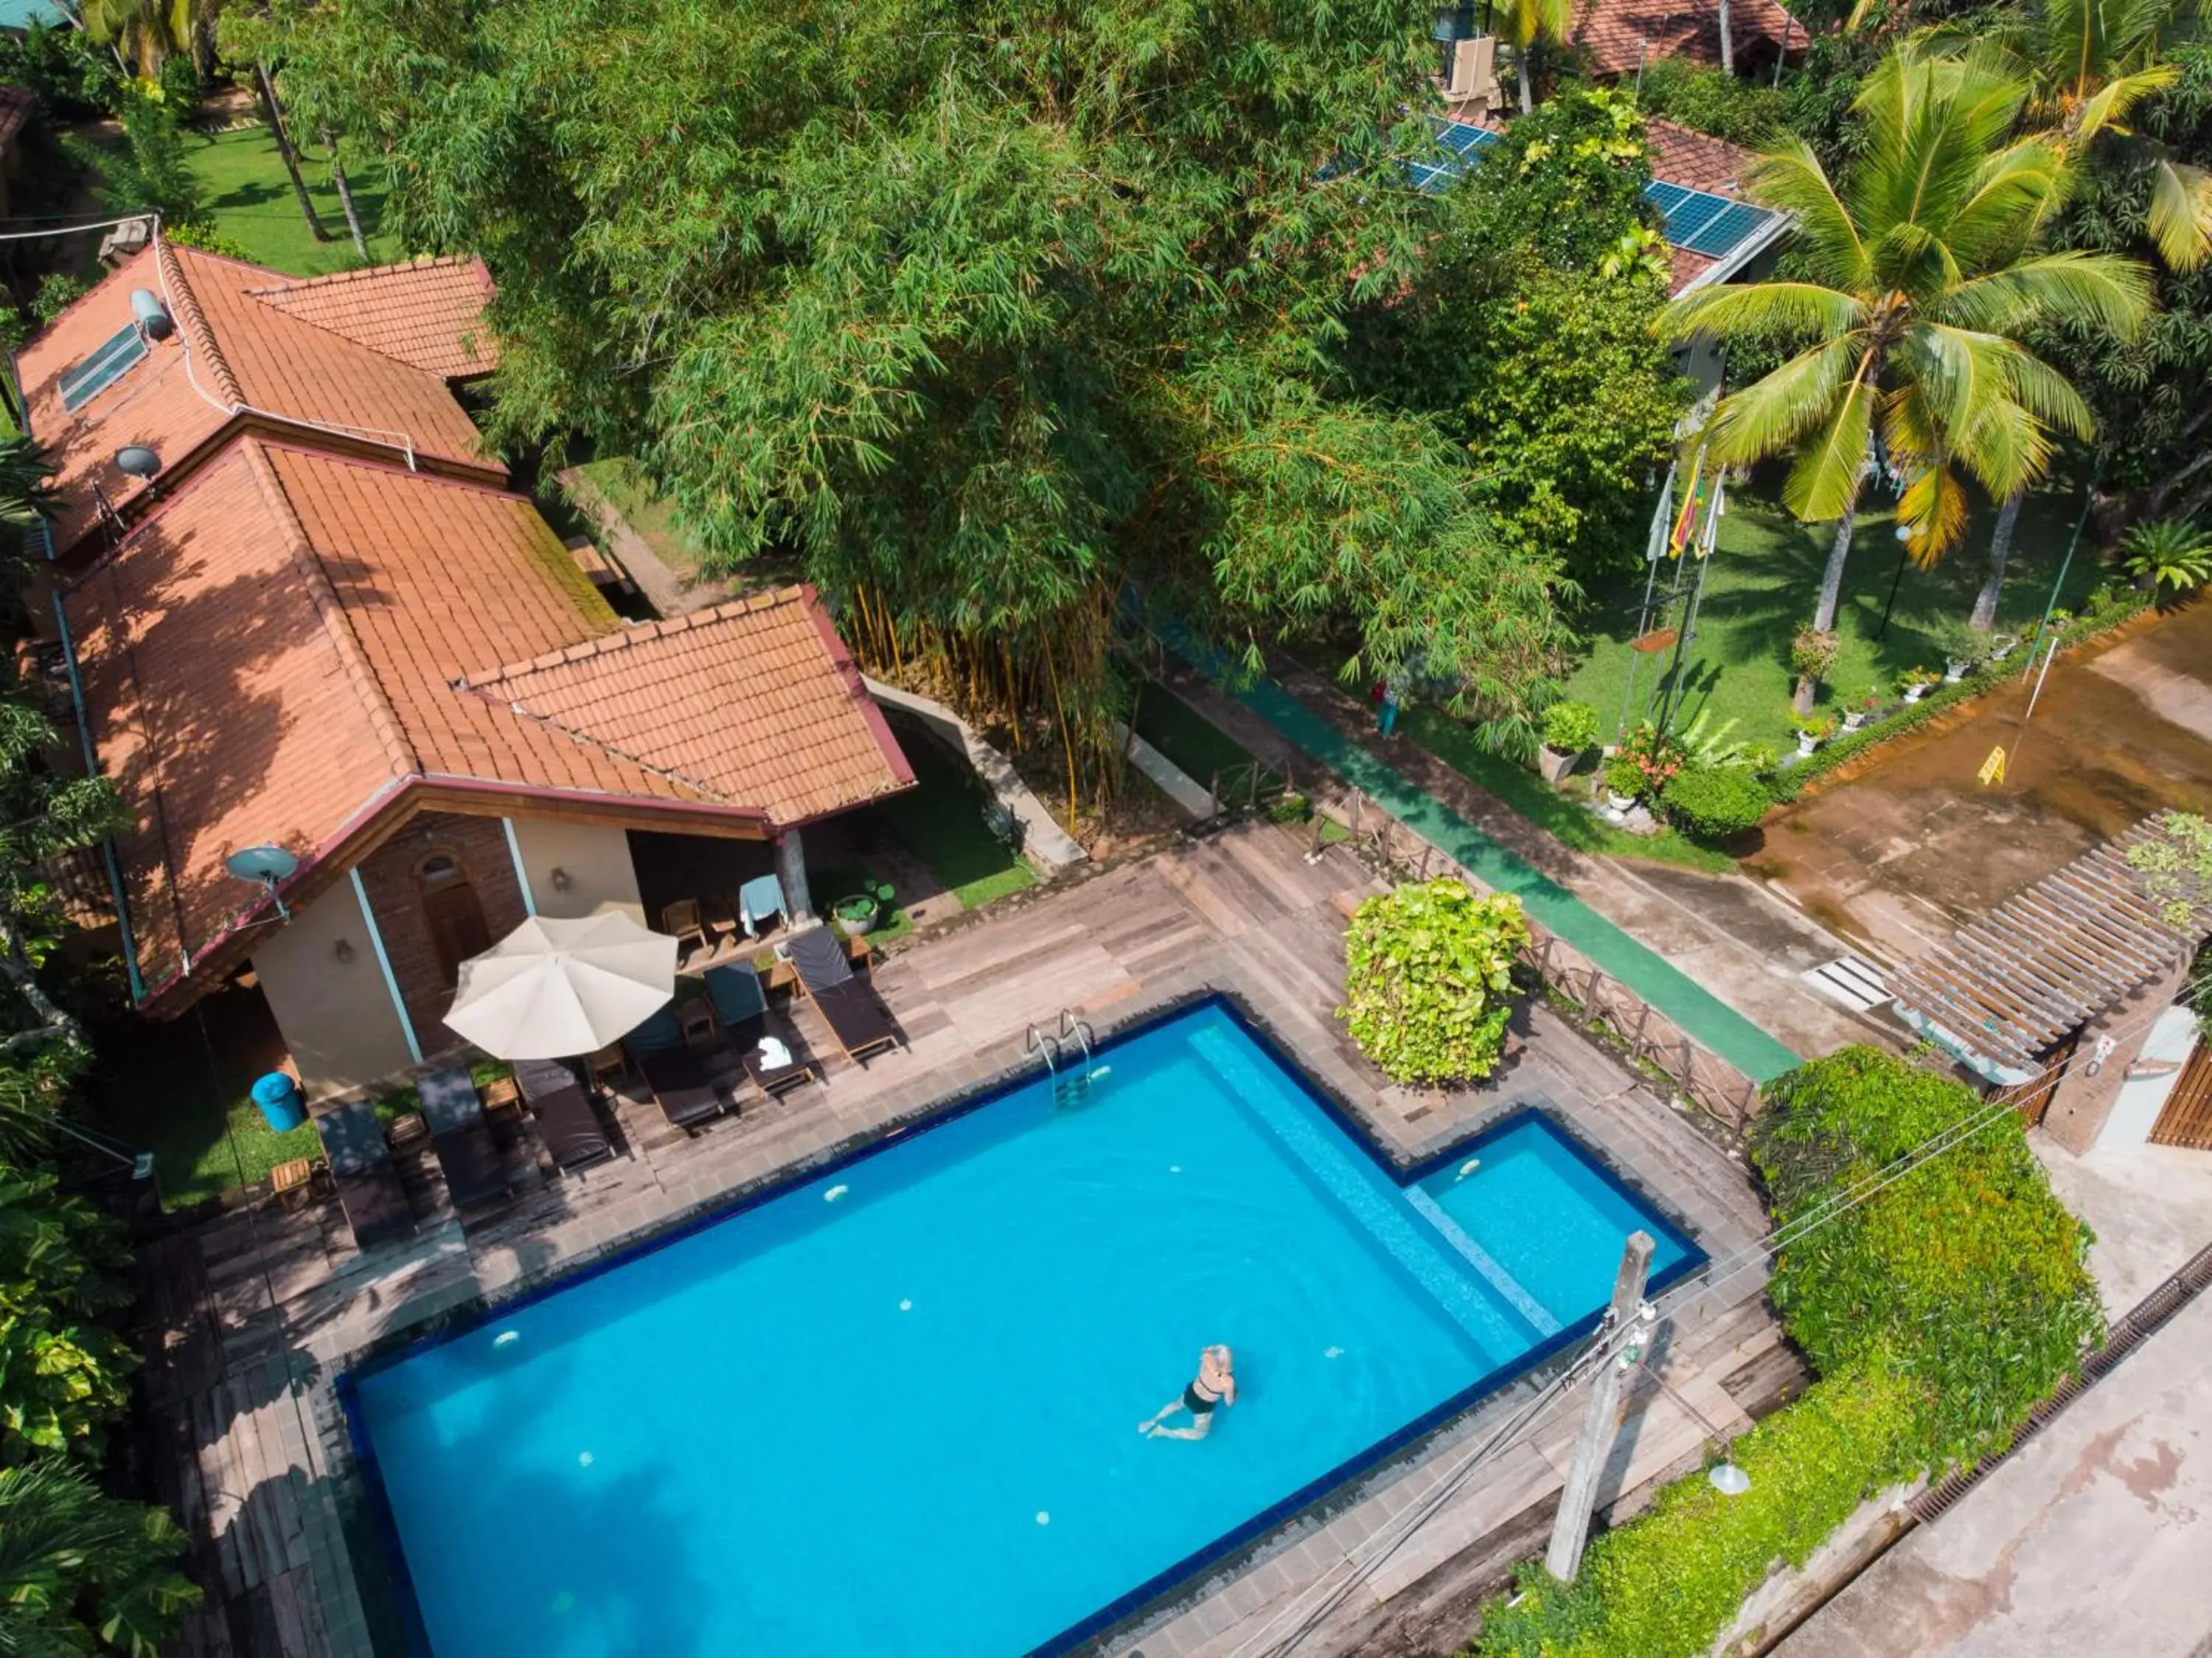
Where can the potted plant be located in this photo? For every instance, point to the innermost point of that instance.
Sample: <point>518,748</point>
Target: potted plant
<point>2003,644</point>
<point>1914,682</point>
<point>1859,706</point>
<point>1812,730</point>
<point>860,912</point>
<point>1624,781</point>
<point>1964,646</point>
<point>1570,732</point>
<point>1812,657</point>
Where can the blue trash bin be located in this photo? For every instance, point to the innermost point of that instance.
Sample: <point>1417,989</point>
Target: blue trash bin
<point>278,1096</point>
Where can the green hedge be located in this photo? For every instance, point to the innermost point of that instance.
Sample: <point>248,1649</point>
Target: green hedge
<point>1968,1275</point>
<point>1666,1584</point>
<point>1715,802</point>
<point>1428,979</point>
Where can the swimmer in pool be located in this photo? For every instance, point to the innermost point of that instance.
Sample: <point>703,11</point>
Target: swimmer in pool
<point>1214,1384</point>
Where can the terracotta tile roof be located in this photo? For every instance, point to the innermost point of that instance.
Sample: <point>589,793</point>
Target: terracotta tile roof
<point>424,314</point>
<point>231,354</point>
<point>755,703</point>
<point>16,104</point>
<point>1616,35</point>
<point>1696,160</point>
<point>273,655</point>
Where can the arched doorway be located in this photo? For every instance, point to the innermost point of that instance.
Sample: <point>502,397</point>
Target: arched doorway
<point>453,912</point>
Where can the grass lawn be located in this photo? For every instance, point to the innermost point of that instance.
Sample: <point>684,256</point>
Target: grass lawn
<point>251,201</point>
<point>941,821</point>
<point>617,478</point>
<point>1561,813</point>
<point>1196,744</point>
<point>1766,573</point>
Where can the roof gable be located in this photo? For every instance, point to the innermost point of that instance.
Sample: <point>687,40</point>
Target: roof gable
<point>754,703</point>
<point>1619,35</point>
<point>426,314</point>
<point>231,357</point>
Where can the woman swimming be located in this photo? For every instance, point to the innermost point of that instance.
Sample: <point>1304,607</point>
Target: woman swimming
<point>1214,1384</point>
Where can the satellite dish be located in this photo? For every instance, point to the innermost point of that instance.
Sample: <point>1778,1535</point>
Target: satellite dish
<point>264,862</point>
<point>137,460</point>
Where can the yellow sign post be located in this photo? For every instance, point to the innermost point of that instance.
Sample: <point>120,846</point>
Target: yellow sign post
<point>1992,769</point>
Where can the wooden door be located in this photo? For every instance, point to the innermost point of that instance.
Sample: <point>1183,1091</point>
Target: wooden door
<point>2186,1119</point>
<point>457,925</point>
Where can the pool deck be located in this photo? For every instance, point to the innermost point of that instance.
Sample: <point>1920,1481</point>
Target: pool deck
<point>250,1317</point>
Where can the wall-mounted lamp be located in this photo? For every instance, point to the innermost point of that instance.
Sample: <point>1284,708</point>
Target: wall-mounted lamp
<point>561,878</point>
<point>342,949</point>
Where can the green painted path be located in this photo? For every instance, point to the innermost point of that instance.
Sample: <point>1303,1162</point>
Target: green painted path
<point>1708,1019</point>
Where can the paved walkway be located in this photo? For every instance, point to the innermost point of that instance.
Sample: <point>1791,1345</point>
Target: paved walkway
<point>1787,1006</point>
<point>2097,1538</point>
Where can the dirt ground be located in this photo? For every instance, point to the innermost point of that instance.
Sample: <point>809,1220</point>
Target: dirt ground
<point>1899,852</point>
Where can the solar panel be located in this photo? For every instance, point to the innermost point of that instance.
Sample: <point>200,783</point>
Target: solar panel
<point>1703,222</point>
<point>101,370</point>
<point>1715,226</point>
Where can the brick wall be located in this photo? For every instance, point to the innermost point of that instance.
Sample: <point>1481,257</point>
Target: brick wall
<point>388,876</point>
<point>2082,1102</point>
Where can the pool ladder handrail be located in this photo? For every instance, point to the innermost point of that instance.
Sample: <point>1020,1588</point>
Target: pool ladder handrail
<point>1071,1085</point>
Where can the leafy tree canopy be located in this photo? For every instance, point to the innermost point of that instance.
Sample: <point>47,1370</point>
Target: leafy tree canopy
<point>988,311</point>
<point>1428,979</point>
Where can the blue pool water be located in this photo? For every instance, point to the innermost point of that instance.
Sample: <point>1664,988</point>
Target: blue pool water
<point>894,1409</point>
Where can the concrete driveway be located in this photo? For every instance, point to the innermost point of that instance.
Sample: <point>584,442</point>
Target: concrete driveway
<point>2095,1539</point>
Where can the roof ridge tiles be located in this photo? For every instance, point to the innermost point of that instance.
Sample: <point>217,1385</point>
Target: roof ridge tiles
<point>199,335</point>
<point>330,610</point>
<point>635,633</point>
<point>367,272</point>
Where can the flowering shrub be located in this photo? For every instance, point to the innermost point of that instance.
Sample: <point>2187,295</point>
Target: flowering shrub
<point>1656,756</point>
<point>1428,979</point>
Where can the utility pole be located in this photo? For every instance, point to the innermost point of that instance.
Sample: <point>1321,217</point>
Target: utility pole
<point>1572,1529</point>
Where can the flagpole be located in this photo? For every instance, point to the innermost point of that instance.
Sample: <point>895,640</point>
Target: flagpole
<point>1656,543</point>
<point>1707,542</point>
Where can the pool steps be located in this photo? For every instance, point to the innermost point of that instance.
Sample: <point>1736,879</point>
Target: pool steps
<point>1355,1186</point>
<point>1483,1262</point>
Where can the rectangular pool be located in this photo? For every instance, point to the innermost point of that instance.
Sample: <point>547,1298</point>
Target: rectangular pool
<point>894,1408</point>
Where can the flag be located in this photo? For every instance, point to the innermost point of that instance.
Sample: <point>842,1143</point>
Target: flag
<point>1686,524</point>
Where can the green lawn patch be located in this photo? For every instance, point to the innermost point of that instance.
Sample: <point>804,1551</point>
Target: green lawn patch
<point>941,820</point>
<point>251,201</point>
<point>623,483</point>
<point>1765,575</point>
<point>1202,748</point>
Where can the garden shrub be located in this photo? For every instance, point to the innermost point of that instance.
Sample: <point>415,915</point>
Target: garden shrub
<point>1429,981</point>
<point>1715,802</point>
<point>1967,1277</point>
<point>1667,1583</point>
<point>1570,728</point>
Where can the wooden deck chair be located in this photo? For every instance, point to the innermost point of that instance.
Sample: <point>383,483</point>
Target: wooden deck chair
<point>855,1014</point>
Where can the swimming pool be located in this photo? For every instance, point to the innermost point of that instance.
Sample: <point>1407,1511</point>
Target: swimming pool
<point>894,1408</point>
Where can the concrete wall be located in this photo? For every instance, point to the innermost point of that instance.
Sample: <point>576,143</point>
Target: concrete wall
<point>2082,1102</point>
<point>594,863</point>
<point>335,1015</point>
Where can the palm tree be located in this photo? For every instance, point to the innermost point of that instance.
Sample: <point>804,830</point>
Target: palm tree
<point>1524,22</point>
<point>60,1537</point>
<point>144,33</point>
<point>2087,64</point>
<point>1916,292</point>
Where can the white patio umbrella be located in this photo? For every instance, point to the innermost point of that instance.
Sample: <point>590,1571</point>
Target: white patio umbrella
<point>552,988</point>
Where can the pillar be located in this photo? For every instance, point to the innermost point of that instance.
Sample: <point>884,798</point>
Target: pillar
<point>791,874</point>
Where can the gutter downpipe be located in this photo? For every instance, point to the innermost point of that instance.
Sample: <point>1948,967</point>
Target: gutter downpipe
<point>92,769</point>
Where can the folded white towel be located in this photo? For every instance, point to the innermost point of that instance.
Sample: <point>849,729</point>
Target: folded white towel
<point>772,1053</point>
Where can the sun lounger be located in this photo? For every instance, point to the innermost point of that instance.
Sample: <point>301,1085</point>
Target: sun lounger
<point>461,1136</point>
<point>741,1004</point>
<point>855,1014</point>
<point>565,1117</point>
<point>369,1191</point>
<point>690,1084</point>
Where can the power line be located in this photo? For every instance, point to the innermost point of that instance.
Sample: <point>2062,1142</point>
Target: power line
<point>71,230</point>
<point>1398,1531</point>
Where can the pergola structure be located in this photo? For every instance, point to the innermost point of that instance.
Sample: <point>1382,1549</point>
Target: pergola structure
<point>2019,986</point>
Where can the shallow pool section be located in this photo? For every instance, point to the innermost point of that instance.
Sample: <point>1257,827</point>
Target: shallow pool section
<point>894,1408</point>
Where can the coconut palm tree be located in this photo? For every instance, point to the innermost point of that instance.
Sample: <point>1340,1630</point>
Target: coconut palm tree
<point>1524,22</point>
<point>2087,64</point>
<point>1917,291</point>
<point>144,33</point>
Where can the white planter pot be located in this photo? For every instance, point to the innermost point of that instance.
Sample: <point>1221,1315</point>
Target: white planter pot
<point>2000,653</point>
<point>1619,803</point>
<point>1853,721</point>
<point>1954,671</point>
<point>1555,765</point>
<point>1913,694</point>
<point>1807,742</point>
